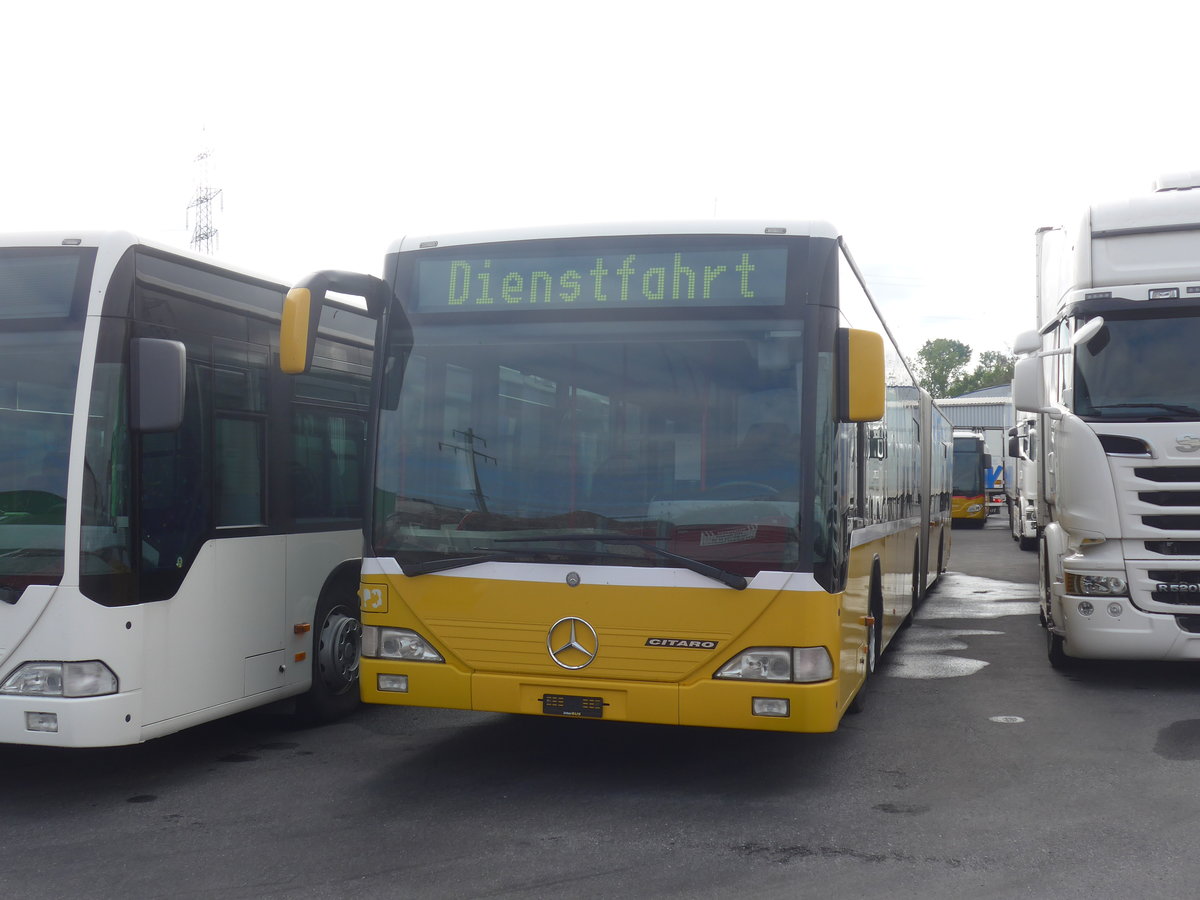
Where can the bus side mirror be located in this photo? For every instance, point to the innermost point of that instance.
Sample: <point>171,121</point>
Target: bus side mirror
<point>298,330</point>
<point>158,374</point>
<point>302,312</point>
<point>860,376</point>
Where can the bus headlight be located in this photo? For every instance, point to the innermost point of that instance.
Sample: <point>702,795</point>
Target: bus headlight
<point>797,664</point>
<point>1096,585</point>
<point>397,643</point>
<point>61,679</point>
<point>975,507</point>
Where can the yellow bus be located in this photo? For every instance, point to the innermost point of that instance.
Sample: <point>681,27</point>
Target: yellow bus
<point>971,460</point>
<point>671,473</point>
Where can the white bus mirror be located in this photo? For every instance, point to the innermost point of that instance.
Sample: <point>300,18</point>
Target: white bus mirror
<point>158,374</point>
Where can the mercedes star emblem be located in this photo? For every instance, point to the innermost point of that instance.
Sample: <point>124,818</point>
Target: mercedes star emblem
<point>572,643</point>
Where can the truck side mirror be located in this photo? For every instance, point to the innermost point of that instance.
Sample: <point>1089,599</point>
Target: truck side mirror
<point>1027,342</point>
<point>1028,388</point>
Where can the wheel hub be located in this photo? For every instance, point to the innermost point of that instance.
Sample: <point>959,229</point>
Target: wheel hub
<point>337,650</point>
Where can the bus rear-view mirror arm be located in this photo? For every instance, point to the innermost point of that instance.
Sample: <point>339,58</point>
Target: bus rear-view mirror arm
<point>302,312</point>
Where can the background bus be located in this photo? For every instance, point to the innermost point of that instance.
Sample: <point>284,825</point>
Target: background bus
<point>971,462</point>
<point>180,526</point>
<point>648,475</point>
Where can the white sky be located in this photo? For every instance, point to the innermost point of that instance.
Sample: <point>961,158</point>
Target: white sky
<point>936,136</point>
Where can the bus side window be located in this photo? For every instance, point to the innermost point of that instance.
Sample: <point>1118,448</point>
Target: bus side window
<point>174,505</point>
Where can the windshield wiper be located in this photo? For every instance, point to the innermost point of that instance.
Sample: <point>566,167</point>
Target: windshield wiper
<point>737,582</point>
<point>485,555</point>
<point>1176,408</point>
<point>441,565</point>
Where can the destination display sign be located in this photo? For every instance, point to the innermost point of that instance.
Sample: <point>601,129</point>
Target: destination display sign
<point>688,277</point>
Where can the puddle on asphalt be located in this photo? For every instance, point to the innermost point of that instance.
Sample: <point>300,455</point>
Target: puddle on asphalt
<point>926,652</point>
<point>971,597</point>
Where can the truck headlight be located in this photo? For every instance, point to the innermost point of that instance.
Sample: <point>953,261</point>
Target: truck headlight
<point>61,679</point>
<point>796,664</point>
<point>397,643</point>
<point>1096,585</point>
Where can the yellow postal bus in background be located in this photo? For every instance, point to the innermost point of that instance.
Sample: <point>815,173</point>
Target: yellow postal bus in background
<point>672,473</point>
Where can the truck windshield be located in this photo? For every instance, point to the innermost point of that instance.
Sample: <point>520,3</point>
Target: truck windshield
<point>681,437</point>
<point>1140,368</point>
<point>41,332</point>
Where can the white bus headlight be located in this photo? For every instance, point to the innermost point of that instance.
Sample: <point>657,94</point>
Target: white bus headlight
<point>1096,585</point>
<point>397,643</point>
<point>61,679</point>
<point>798,664</point>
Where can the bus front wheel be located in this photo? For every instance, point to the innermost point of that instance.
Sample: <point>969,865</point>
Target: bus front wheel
<point>336,639</point>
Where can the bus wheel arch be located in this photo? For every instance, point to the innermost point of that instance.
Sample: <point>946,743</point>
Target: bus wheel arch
<point>337,633</point>
<point>874,623</point>
<point>875,618</point>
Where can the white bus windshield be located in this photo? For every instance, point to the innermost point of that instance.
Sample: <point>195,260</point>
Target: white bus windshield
<point>41,334</point>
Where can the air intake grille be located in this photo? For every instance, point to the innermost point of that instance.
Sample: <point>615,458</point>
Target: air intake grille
<point>1174,548</point>
<point>1178,474</point>
<point>1175,586</point>
<point>1170,498</point>
<point>1172,523</point>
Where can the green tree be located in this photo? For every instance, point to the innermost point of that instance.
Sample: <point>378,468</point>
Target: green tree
<point>994,368</point>
<point>941,363</point>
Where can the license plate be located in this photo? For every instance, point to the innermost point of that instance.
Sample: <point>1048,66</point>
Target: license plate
<point>568,705</point>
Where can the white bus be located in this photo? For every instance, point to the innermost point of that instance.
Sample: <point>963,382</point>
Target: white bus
<point>180,527</point>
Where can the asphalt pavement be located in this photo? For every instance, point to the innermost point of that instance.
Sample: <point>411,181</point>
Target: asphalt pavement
<point>975,770</point>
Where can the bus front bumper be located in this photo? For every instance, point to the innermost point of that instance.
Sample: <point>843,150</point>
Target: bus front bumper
<point>108,721</point>
<point>762,706</point>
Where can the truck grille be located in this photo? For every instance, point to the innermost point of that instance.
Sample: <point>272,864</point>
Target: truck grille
<point>1174,548</point>
<point>1177,587</point>
<point>1159,507</point>
<point>1170,498</point>
<point>1159,503</point>
<point>1169,473</point>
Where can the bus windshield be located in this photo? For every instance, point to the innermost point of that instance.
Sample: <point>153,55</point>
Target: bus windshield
<point>677,436</point>
<point>968,466</point>
<point>1140,367</point>
<point>41,335</point>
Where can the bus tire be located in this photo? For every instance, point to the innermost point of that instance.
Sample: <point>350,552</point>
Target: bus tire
<point>337,634</point>
<point>917,596</point>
